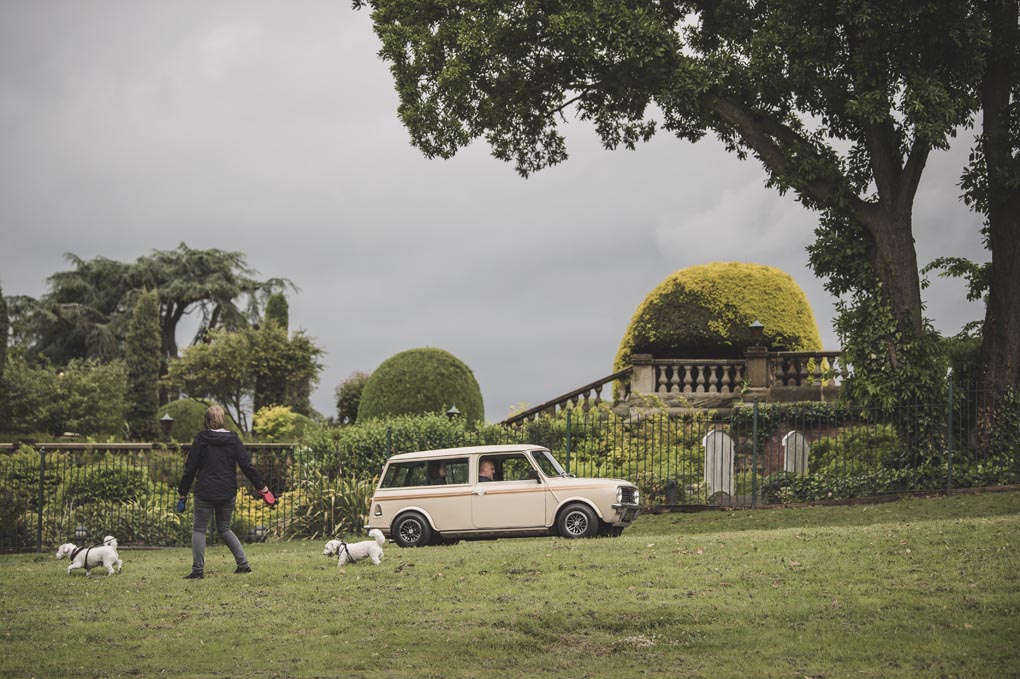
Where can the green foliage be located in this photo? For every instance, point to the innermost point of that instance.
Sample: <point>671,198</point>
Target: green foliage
<point>277,310</point>
<point>359,450</point>
<point>271,380</point>
<point>348,397</point>
<point>105,482</point>
<point>86,310</point>
<point>189,418</point>
<point>1004,435</point>
<point>142,354</point>
<point>5,331</point>
<point>229,365</point>
<point>85,397</point>
<point>276,423</point>
<point>420,381</point>
<point>704,312</point>
<point>326,507</point>
<point>857,451</point>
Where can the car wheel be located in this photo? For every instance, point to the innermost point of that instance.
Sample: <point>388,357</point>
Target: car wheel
<point>577,521</point>
<point>412,530</point>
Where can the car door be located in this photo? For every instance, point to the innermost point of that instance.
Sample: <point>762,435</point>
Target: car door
<point>514,499</point>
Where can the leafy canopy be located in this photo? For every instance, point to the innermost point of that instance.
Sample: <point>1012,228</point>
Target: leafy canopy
<point>86,310</point>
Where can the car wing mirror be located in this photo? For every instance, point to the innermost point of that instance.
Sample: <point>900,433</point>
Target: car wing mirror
<point>534,476</point>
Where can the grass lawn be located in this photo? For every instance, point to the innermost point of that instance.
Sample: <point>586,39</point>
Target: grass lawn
<point>914,588</point>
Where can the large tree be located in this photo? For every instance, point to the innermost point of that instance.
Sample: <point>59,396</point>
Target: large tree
<point>993,188</point>
<point>85,311</point>
<point>142,356</point>
<point>5,327</point>
<point>228,365</point>
<point>841,101</point>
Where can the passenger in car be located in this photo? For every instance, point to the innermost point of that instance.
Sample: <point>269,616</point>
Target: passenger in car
<point>437,473</point>
<point>486,470</point>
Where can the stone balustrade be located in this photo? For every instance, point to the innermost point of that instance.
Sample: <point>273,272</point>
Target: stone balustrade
<point>678,383</point>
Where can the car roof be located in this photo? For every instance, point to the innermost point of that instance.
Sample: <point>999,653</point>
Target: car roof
<point>467,450</point>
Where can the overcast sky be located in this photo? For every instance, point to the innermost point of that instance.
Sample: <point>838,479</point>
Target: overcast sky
<point>270,128</point>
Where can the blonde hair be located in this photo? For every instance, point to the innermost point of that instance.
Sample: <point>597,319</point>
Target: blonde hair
<point>214,417</point>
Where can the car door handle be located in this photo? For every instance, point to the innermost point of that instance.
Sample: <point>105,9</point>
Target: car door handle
<point>478,492</point>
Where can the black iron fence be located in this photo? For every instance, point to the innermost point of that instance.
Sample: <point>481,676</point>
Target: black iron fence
<point>750,456</point>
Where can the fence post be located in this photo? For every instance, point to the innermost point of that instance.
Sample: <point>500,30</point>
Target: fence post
<point>568,440</point>
<point>754,455</point>
<point>389,441</point>
<point>949,433</point>
<point>42,491</point>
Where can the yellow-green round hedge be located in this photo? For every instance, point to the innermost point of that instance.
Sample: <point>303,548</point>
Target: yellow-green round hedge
<point>704,312</point>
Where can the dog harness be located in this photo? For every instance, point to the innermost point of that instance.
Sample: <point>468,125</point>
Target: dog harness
<point>77,551</point>
<point>343,546</point>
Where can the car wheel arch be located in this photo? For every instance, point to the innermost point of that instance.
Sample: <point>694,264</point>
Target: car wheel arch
<point>593,522</point>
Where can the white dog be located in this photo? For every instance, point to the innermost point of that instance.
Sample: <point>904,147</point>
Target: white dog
<point>87,557</point>
<point>366,549</point>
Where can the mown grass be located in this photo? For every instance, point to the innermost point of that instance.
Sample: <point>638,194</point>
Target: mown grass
<point>915,588</point>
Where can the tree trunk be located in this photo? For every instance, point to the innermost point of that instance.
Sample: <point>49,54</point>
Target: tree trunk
<point>1000,348</point>
<point>895,261</point>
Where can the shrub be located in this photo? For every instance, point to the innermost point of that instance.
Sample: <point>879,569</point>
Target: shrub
<point>86,397</point>
<point>105,483</point>
<point>704,312</point>
<point>420,381</point>
<point>277,423</point>
<point>361,449</point>
<point>325,507</point>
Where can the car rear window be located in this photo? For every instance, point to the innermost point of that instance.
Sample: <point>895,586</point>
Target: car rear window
<point>426,473</point>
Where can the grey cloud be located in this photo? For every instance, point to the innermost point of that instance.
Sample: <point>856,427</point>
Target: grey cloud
<point>271,128</point>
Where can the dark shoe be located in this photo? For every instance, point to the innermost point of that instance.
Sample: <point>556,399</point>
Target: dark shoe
<point>243,569</point>
<point>194,576</point>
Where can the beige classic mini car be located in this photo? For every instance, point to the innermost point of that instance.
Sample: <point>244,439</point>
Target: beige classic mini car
<point>434,496</point>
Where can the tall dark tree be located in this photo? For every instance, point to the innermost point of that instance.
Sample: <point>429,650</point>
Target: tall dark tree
<point>842,103</point>
<point>5,328</point>
<point>142,354</point>
<point>271,381</point>
<point>348,397</point>
<point>85,312</point>
<point>278,310</point>
<point>993,188</point>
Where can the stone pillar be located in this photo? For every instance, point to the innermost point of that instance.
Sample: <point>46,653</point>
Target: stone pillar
<point>756,375</point>
<point>642,379</point>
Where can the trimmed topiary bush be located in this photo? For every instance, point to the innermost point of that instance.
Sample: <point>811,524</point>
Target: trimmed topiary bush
<point>704,312</point>
<point>420,381</point>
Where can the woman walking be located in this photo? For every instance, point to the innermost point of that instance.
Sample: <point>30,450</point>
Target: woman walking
<point>214,457</point>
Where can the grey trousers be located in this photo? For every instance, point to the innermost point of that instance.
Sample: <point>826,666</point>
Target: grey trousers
<point>203,512</point>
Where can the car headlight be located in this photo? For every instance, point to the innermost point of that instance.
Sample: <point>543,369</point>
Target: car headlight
<point>637,496</point>
<point>619,493</point>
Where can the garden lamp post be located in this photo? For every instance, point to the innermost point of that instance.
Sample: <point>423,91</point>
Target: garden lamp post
<point>452,413</point>
<point>167,423</point>
<point>80,532</point>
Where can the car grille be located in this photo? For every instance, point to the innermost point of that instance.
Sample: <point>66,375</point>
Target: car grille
<point>627,495</point>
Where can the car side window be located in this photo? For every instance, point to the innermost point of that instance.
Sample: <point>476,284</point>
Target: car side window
<point>516,468</point>
<point>426,473</point>
<point>457,470</point>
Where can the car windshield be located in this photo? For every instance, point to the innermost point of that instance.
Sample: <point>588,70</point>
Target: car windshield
<point>547,463</point>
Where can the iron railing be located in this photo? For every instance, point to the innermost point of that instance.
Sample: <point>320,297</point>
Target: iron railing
<point>748,456</point>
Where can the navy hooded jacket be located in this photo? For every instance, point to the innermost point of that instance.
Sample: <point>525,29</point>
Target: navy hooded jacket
<point>215,457</point>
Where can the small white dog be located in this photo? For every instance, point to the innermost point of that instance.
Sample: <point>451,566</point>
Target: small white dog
<point>87,557</point>
<point>366,549</point>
